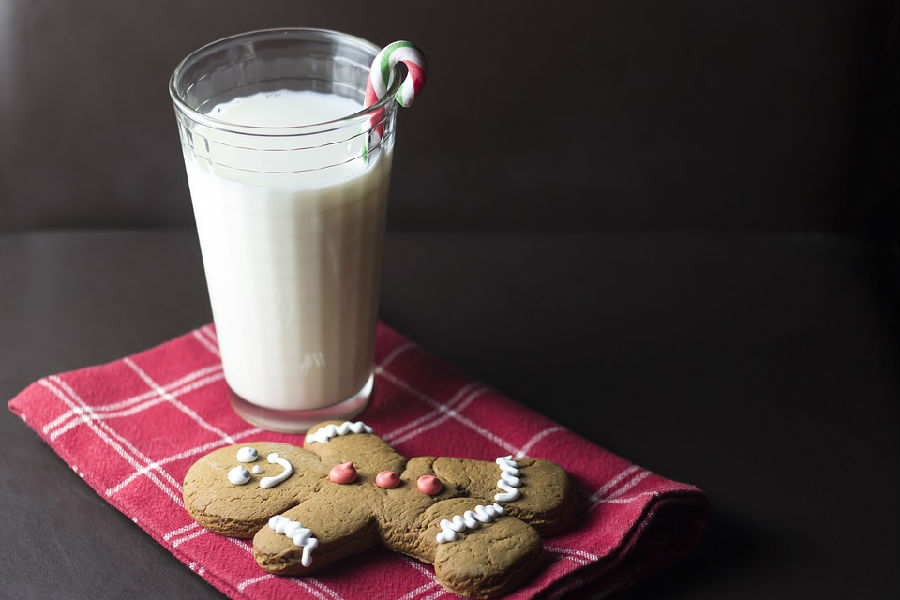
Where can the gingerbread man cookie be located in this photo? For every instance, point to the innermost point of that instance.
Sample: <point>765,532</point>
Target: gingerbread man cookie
<point>478,522</point>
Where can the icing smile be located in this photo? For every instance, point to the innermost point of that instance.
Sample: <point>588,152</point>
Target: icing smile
<point>268,482</point>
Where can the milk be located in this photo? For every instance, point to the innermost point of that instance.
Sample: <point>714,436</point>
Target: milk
<point>291,250</point>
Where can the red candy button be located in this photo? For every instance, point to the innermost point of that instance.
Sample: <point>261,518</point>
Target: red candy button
<point>387,480</point>
<point>343,473</point>
<point>429,484</point>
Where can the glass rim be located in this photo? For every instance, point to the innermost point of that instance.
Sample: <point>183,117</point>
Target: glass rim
<point>279,131</point>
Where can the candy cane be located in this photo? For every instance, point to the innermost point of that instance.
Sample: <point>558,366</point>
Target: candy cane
<point>382,73</point>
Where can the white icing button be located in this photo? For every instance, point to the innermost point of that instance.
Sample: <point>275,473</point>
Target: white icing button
<point>247,454</point>
<point>268,482</point>
<point>256,469</point>
<point>239,475</point>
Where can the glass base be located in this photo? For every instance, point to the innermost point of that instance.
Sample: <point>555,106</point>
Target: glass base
<point>299,421</point>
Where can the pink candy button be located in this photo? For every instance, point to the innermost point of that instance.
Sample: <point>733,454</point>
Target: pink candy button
<point>343,473</point>
<point>429,484</point>
<point>387,480</point>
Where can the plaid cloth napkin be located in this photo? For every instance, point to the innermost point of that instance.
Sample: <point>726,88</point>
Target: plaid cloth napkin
<point>131,429</point>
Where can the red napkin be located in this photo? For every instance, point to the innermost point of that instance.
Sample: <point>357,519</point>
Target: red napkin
<point>131,429</point>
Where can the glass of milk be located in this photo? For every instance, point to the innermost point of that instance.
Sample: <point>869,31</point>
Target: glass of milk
<point>289,192</point>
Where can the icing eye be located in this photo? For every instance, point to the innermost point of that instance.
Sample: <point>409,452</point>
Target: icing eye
<point>239,475</point>
<point>429,484</point>
<point>247,454</point>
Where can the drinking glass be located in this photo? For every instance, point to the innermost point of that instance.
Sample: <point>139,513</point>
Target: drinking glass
<point>290,221</point>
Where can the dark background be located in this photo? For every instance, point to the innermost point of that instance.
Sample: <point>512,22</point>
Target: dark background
<point>670,226</point>
<point>620,116</point>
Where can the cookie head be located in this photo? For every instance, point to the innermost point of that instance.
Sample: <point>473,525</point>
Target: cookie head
<point>236,497</point>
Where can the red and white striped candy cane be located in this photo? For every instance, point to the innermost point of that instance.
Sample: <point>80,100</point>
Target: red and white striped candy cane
<point>381,73</point>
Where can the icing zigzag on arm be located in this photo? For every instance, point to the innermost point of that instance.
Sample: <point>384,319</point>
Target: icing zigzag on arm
<point>509,480</point>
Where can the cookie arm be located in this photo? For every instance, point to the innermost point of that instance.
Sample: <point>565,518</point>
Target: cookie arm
<point>544,495</point>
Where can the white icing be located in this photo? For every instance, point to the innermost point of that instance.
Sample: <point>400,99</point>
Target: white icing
<point>450,528</point>
<point>239,475</point>
<point>324,435</point>
<point>300,535</point>
<point>256,469</point>
<point>509,480</point>
<point>267,482</point>
<point>247,454</point>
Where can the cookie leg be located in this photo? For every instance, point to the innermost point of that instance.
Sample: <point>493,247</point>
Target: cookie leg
<point>478,551</point>
<point>315,534</point>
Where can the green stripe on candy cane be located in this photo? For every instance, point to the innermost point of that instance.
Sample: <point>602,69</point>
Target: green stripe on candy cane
<point>381,74</point>
<point>391,55</point>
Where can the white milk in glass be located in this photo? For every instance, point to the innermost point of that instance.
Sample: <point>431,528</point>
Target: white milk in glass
<point>291,246</point>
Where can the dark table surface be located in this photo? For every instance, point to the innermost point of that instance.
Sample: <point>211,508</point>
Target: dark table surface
<point>763,368</point>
